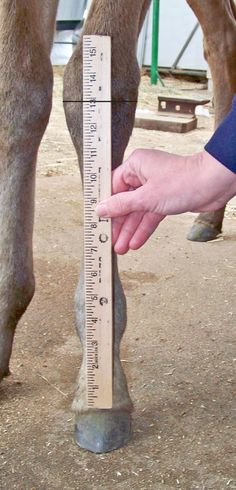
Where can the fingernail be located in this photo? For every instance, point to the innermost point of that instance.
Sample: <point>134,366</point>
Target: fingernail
<point>101,209</point>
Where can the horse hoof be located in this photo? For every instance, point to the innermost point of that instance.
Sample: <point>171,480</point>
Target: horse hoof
<point>4,373</point>
<point>202,233</point>
<point>103,431</point>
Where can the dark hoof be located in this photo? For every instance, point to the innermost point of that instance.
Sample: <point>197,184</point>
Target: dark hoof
<point>5,373</point>
<point>202,233</point>
<point>103,431</point>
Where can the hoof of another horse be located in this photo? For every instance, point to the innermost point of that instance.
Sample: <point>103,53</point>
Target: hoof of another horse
<point>202,233</point>
<point>4,373</point>
<point>103,431</point>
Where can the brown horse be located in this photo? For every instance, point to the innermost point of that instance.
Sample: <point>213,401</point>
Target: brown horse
<point>26,35</point>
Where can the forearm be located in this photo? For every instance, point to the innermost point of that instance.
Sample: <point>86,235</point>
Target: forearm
<point>161,183</point>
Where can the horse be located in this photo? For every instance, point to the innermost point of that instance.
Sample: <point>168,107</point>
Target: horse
<point>26,80</point>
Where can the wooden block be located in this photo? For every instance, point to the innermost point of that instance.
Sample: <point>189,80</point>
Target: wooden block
<point>164,122</point>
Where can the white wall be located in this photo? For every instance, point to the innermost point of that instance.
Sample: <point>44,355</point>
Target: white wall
<point>176,22</point>
<point>71,9</point>
<point>67,10</point>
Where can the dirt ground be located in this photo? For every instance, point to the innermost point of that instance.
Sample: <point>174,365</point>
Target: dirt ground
<point>178,351</point>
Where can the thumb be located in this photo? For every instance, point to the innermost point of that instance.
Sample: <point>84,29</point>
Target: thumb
<point>122,204</point>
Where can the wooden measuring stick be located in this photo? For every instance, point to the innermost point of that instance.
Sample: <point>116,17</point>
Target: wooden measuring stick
<point>97,231</point>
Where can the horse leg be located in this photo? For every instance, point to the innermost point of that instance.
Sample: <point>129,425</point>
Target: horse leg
<point>217,20</point>
<point>25,101</point>
<point>104,430</point>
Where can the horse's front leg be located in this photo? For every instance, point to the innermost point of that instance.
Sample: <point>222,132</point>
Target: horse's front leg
<point>104,430</point>
<point>25,103</point>
<point>217,20</point>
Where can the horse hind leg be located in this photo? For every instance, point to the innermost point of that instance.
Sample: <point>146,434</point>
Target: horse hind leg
<point>25,101</point>
<point>105,430</point>
<point>219,44</point>
<point>207,226</point>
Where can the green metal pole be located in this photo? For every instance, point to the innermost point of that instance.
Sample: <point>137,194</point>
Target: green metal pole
<point>155,33</point>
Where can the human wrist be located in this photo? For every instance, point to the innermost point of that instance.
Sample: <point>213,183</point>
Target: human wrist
<point>216,183</point>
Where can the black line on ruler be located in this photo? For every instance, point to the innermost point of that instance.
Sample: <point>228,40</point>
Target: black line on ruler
<point>95,101</point>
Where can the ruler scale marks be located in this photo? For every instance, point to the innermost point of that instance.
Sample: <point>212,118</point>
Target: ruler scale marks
<point>97,232</point>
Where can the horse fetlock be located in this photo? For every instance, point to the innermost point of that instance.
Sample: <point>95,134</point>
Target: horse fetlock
<point>6,341</point>
<point>121,399</point>
<point>14,299</point>
<point>22,296</point>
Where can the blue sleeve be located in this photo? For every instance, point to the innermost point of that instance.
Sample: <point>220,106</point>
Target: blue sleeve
<point>222,144</point>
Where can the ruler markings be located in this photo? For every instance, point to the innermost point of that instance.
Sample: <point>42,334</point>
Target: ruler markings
<point>97,239</point>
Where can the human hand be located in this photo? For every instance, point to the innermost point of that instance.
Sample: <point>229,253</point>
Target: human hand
<point>152,184</point>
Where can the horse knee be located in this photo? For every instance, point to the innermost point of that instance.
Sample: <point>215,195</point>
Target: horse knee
<point>72,96</point>
<point>125,82</point>
<point>25,105</point>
